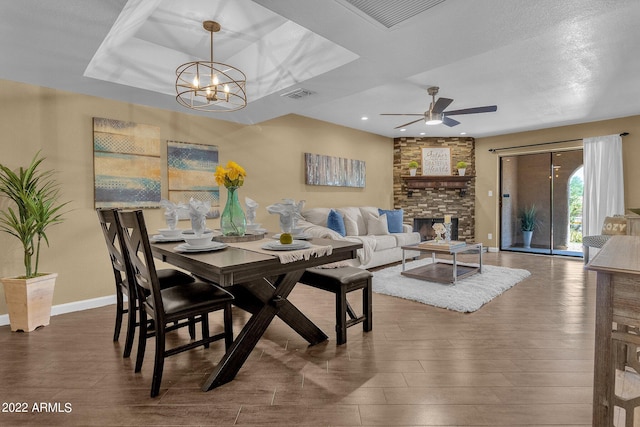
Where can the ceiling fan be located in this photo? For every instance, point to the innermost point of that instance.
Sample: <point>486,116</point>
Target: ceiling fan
<point>436,113</point>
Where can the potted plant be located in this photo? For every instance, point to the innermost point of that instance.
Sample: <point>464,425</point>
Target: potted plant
<point>33,207</point>
<point>528,222</point>
<point>462,167</point>
<point>413,167</point>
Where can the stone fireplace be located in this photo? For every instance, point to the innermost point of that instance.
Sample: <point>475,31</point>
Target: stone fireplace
<point>435,203</point>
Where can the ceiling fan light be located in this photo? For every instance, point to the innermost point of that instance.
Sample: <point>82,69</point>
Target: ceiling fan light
<point>433,118</point>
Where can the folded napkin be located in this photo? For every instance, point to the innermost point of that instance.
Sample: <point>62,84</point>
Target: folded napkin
<point>250,214</point>
<point>170,213</point>
<point>198,213</point>
<point>289,213</point>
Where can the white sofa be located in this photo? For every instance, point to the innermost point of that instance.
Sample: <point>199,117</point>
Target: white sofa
<point>362,224</point>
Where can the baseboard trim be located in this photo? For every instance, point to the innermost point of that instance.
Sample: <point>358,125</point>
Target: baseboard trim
<point>493,249</point>
<point>70,307</point>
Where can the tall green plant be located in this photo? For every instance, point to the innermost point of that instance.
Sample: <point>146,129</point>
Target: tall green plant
<point>35,195</point>
<point>528,220</point>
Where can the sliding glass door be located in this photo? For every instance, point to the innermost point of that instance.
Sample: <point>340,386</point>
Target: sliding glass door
<point>541,203</point>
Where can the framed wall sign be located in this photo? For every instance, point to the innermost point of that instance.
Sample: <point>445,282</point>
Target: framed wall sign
<point>436,161</point>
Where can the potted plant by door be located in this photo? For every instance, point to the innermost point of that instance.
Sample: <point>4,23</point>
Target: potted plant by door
<point>528,222</point>
<point>462,167</point>
<point>413,167</point>
<point>33,207</point>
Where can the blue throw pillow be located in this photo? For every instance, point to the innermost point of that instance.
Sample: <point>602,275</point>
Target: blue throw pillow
<point>336,223</point>
<point>394,219</point>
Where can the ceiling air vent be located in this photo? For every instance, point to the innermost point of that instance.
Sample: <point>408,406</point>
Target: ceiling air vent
<point>390,13</point>
<point>297,93</point>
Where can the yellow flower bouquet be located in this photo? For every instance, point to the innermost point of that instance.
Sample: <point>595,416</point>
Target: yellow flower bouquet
<point>231,176</point>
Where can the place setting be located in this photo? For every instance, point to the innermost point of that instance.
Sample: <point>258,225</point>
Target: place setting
<point>277,245</point>
<point>200,243</point>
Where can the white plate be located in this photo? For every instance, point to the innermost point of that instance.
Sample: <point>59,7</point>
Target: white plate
<point>295,245</point>
<point>301,236</point>
<point>206,231</point>
<point>211,246</point>
<point>159,238</point>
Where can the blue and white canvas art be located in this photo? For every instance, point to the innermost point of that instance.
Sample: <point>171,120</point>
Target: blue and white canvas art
<point>190,171</point>
<point>127,169</point>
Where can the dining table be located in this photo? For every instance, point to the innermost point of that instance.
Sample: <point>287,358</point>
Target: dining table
<point>260,281</point>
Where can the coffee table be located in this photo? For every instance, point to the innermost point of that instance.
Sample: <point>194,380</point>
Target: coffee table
<point>441,270</point>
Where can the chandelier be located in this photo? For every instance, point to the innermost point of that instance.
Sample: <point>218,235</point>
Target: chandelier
<point>211,86</point>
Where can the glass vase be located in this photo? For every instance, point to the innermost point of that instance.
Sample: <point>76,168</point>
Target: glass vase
<point>232,220</point>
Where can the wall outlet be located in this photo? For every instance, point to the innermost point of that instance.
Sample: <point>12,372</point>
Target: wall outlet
<point>490,193</point>
<point>490,236</point>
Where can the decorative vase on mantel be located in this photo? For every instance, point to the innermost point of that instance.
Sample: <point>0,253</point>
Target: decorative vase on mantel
<point>233,221</point>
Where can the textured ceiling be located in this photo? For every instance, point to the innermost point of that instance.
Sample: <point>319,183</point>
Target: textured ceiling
<point>544,63</point>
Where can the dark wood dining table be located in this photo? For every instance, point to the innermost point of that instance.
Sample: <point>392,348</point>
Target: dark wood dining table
<point>260,283</point>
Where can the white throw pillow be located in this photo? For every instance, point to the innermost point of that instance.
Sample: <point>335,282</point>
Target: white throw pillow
<point>350,226</point>
<point>317,216</point>
<point>377,226</point>
<point>353,221</point>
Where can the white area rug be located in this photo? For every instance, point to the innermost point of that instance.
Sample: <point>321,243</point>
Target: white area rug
<point>466,295</point>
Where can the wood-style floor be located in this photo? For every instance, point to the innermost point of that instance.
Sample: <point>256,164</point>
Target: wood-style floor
<point>524,359</point>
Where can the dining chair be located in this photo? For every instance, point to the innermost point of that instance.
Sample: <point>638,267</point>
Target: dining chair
<point>169,308</point>
<point>115,246</point>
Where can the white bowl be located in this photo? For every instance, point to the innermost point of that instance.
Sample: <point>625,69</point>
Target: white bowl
<point>167,232</point>
<point>193,240</point>
<point>253,226</point>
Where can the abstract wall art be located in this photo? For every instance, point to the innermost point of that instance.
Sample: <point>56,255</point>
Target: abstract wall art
<point>190,169</point>
<point>334,171</point>
<point>126,163</point>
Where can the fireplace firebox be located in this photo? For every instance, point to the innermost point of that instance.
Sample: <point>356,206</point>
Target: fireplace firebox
<point>424,226</point>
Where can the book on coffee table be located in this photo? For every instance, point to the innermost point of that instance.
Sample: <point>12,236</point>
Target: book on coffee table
<point>441,245</point>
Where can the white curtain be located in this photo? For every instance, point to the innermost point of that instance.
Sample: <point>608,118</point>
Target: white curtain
<point>603,182</point>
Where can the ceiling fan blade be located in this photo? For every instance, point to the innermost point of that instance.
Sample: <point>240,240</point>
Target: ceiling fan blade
<point>485,109</point>
<point>449,122</point>
<point>410,123</point>
<point>401,114</point>
<point>441,104</point>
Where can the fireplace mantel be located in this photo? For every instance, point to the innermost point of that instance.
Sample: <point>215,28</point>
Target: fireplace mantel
<point>437,181</point>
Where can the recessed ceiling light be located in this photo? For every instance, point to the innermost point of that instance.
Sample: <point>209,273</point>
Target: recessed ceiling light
<point>402,130</point>
<point>364,118</point>
<point>422,133</point>
<point>463,133</point>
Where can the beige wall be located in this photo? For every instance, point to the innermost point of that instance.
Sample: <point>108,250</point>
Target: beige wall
<point>487,164</point>
<point>60,124</point>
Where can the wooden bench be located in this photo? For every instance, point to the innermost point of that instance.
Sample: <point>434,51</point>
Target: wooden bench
<point>341,281</point>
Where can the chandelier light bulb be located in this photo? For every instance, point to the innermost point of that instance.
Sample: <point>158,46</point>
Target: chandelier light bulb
<point>215,80</point>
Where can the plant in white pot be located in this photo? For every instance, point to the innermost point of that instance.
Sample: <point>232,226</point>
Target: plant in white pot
<point>528,222</point>
<point>462,167</point>
<point>413,167</point>
<point>33,207</point>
